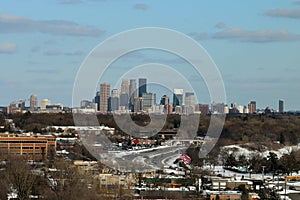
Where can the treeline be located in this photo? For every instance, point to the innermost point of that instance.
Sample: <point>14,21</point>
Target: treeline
<point>263,130</point>
<point>256,163</point>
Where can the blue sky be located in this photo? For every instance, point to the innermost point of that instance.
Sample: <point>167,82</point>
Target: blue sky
<point>255,44</point>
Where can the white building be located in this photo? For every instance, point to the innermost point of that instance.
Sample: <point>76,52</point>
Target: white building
<point>45,103</point>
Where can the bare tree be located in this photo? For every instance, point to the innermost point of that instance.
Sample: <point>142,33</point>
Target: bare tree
<point>17,177</point>
<point>71,183</point>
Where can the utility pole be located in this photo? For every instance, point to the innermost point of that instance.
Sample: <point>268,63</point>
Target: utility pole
<point>263,173</point>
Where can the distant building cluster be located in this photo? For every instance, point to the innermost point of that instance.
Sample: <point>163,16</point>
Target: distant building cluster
<point>45,106</point>
<point>133,97</point>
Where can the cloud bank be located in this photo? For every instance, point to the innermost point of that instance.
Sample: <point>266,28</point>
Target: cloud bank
<point>141,6</point>
<point>17,24</point>
<point>7,48</point>
<point>260,36</point>
<point>285,13</point>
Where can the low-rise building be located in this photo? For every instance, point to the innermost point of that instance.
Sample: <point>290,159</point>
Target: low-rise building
<point>34,147</point>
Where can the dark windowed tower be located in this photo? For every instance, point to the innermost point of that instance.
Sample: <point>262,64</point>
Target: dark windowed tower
<point>142,86</point>
<point>281,106</point>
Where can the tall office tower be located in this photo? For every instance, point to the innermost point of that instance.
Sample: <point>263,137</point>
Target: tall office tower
<point>142,86</point>
<point>113,103</point>
<point>114,100</point>
<point>252,107</point>
<point>115,93</point>
<point>97,100</point>
<point>177,97</point>
<point>149,100</point>
<point>189,103</point>
<point>33,102</point>
<point>125,86</point>
<point>233,105</point>
<point>164,100</point>
<point>104,95</point>
<point>124,101</point>
<point>132,93</point>
<point>45,103</point>
<point>138,104</point>
<point>189,99</point>
<point>281,106</point>
<point>218,108</point>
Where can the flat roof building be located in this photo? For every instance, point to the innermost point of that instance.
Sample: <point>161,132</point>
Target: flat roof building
<point>34,147</point>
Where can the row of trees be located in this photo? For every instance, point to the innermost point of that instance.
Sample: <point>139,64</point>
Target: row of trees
<point>261,129</point>
<point>286,164</point>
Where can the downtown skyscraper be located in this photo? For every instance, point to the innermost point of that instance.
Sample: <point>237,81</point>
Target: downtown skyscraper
<point>104,96</point>
<point>142,86</point>
<point>33,102</point>
<point>132,93</point>
<point>177,97</point>
<point>124,95</point>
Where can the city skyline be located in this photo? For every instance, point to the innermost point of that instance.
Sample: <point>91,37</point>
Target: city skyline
<point>255,45</point>
<point>110,99</point>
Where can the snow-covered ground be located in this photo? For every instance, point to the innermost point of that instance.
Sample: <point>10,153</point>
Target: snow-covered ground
<point>238,150</point>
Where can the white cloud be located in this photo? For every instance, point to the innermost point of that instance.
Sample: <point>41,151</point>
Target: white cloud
<point>75,53</point>
<point>297,2</point>
<point>16,24</point>
<point>53,52</point>
<point>199,36</point>
<point>286,13</point>
<point>8,48</point>
<point>70,1</point>
<point>220,25</point>
<point>141,6</point>
<point>56,52</point>
<point>260,36</point>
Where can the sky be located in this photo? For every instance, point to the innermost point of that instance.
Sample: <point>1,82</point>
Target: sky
<point>254,44</point>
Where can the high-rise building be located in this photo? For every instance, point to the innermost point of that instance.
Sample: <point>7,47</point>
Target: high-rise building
<point>189,102</point>
<point>189,99</point>
<point>252,107</point>
<point>125,86</point>
<point>281,106</point>
<point>45,103</point>
<point>138,104</point>
<point>164,100</point>
<point>177,97</point>
<point>124,101</point>
<point>149,100</point>
<point>104,95</point>
<point>246,110</point>
<point>97,100</point>
<point>142,86</point>
<point>114,100</point>
<point>132,93</point>
<point>115,93</point>
<point>218,108</point>
<point>33,102</point>
<point>233,105</point>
